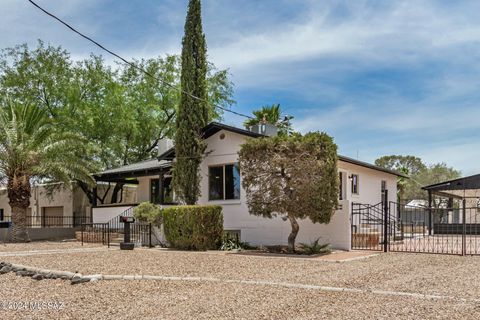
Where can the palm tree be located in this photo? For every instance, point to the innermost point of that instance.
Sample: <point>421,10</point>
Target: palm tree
<point>272,115</point>
<point>33,149</point>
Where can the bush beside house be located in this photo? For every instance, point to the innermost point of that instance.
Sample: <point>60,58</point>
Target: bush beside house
<point>192,227</point>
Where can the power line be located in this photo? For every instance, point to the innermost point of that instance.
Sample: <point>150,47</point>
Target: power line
<point>134,65</point>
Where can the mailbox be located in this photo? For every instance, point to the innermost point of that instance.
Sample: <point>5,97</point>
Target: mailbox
<point>126,244</point>
<point>127,219</point>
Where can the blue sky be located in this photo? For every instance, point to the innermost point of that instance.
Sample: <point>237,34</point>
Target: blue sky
<point>382,77</point>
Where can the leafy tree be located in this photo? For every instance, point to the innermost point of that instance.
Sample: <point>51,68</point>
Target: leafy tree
<point>272,115</point>
<point>420,174</point>
<point>193,112</point>
<point>120,111</point>
<point>407,164</point>
<point>435,173</point>
<point>295,176</point>
<point>31,148</point>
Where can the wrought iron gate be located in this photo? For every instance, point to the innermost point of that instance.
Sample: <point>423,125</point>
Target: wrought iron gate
<point>399,227</point>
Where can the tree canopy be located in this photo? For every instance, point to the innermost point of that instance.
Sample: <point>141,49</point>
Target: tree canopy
<point>120,111</point>
<point>420,174</point>
<point>295,176</point>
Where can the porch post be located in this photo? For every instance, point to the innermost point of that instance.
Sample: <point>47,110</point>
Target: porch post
<point>94,203</point>
<point>430,216</point>
<point>161,187</point>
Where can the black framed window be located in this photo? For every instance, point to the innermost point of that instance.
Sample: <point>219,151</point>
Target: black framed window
<point>383,189</point>
<point>355,184</point>
<point>224,182</point>
<point>340,185</point>
<point>155,191</point>
<point>2,216</point>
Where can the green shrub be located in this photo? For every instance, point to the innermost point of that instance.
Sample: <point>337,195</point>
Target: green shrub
<point>315,247</point>
<point>193,227</point>
<point>148,212</point>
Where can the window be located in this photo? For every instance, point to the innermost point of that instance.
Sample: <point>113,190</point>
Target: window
<point>383,189</point>
<point>224,182</point>
<point>340,186</point>
<point>155,191</point>
<point>354,183</point>
<point>1,214</point>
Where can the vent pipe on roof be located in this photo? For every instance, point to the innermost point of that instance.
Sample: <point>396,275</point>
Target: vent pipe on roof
<point>265,129</point>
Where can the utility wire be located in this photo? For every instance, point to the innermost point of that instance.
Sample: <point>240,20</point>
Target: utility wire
<point>134,65</point>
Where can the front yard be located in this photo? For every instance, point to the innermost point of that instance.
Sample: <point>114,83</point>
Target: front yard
<point>225,286</point>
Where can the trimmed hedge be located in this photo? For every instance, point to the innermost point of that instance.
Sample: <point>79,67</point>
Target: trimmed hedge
<point>193,227</point>
<point>148,212</point>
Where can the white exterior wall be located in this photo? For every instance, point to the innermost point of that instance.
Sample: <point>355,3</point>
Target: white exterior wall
<point>105,214</point>
<point>369,183</point>
<point>264,231</point>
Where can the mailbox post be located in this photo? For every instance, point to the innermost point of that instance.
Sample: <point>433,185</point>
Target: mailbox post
<point>126,244</point>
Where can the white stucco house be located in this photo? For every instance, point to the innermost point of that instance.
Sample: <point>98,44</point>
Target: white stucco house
<point>221,184</point>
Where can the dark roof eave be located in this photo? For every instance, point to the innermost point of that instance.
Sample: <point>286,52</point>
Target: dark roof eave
<point>371,166</point>
<point>464,183</point>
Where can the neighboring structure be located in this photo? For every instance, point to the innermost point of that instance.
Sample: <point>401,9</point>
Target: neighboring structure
<point>359,182</point>
<point>54,206</point>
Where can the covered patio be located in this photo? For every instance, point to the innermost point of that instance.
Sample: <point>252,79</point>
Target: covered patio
<point>153,177</point>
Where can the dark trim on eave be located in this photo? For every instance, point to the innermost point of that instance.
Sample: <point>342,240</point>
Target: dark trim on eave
<point>371,166</point>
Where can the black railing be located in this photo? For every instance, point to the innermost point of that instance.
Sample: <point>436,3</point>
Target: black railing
<point>95,233</point>
<point>51,221</point>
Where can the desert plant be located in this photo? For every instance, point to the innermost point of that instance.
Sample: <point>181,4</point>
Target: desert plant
<point>315,247</point>
<point>193,227</point>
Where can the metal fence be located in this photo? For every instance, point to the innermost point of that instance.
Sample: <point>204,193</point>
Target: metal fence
<point>400,227</point>
<point>112,232</point>
<point>51,221</point>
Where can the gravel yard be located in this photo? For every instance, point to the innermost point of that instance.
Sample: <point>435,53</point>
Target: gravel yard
<point>45,245</point>
<point>453,277</point>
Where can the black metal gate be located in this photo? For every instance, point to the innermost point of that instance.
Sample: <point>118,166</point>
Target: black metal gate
<point>400,227</point>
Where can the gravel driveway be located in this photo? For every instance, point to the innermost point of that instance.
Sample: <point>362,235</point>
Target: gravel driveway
<point>453,277</point>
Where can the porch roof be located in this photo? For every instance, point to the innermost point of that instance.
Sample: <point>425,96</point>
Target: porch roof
<point>466,187</point>
<point>128,173</point>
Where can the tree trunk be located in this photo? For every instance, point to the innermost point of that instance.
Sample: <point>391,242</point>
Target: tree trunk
<point>19,192</point>
<point>293,235</point>
<point>118,188</point>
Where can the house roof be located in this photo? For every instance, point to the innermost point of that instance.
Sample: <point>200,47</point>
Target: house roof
<point>143,168</point>
<point>370,166</point>
<point>164,159</point>
<point>214,127</point>
<point>466,187</point>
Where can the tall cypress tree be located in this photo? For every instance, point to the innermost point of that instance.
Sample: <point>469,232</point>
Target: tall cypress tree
<point>192,113</point>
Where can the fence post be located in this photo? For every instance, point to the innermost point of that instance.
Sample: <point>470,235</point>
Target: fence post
<point>464,231</point>
<point>385,223</point>
<point>149,235</point>
<point>82,233</point>
<point>430,215</point>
